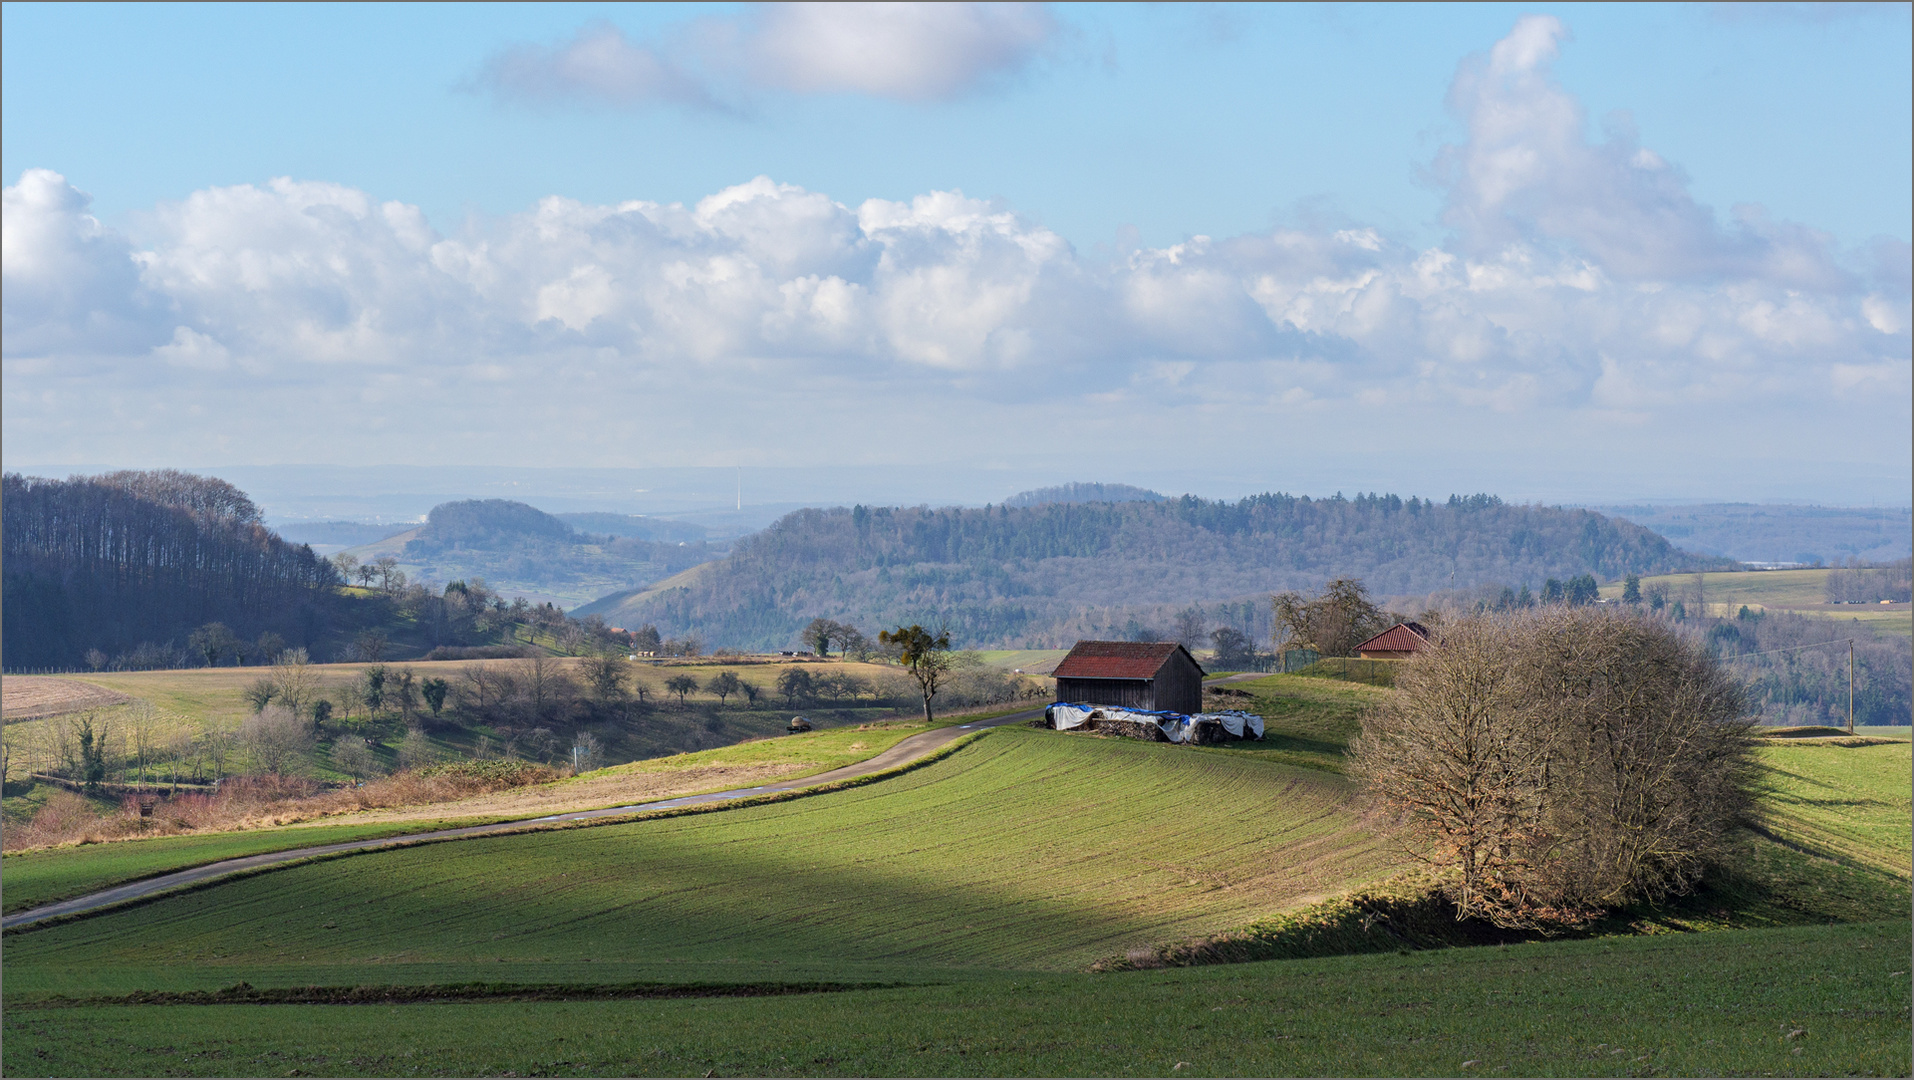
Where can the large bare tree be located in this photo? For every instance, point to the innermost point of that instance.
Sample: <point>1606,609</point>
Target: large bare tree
<point>1560,762</point>
<point>1333,623</point>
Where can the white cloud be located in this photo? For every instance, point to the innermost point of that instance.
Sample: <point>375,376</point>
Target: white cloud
<point>1583,281</point>
<point>67,283</point>
<point>901,51</point>
<point>598,65</point>
<point>906,51</point>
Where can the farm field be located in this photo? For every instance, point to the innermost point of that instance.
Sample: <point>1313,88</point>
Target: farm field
<point>1683,1005</point>
<point>32,878</point>
<point>974,891</point>
<point>1024,850</point>
<point>176,705</point>
<point>1803,591</point>
<point>1851,802</point>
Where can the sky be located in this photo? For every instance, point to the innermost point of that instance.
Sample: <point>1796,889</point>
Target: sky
<point>1556,252</point>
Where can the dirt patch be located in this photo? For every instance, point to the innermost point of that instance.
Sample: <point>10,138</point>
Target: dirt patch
<point>31,697</point>
<point>245,994</point>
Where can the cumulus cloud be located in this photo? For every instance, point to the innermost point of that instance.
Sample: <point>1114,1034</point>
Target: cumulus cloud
<point>901,51</point>
<point>1528,174</point>
<point>67,283</point>
<point>1582,281</point>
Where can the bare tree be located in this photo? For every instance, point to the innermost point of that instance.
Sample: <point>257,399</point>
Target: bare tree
<point>416,750</point>
<point>1560,762</point>
<point>1333,623</point>
<point>681,685</point>
<point>351,756</point>
<point>605,677</point>
<point>275,739</point>
<point>1188,628</point>
<point>795,684</point>
<point>294,682</point>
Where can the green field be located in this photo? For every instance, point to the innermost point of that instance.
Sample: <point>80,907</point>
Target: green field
<point>31,878</point>
<point>1852,803</point>
<point>1801,1001</point>
<point>1025,850</point>
<point>976,890</point>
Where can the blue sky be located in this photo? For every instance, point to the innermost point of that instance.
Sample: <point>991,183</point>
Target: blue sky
<point>1547,250</point>
<point>1171,119</point>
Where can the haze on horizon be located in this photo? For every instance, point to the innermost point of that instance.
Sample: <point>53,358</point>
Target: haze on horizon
<point>641,238</point>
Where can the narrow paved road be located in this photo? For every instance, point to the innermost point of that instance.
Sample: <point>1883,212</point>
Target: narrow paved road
<point>906,751</point>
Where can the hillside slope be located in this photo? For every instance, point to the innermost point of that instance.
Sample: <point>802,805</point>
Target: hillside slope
<point>1043,575</point>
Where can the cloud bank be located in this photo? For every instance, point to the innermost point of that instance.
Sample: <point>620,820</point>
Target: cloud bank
<point>1584,298</point>
<point>900,51</point>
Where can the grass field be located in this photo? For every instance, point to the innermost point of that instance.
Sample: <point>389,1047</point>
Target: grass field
<point>1803,591</point>
<point>1025,850</point>
<point>182,704</point>
<point>980,886</point>
<point>1849,802</point>
<point>31,878</point>
<point>1800,1001</point>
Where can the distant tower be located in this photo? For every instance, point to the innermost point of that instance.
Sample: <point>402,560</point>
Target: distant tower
<point>740,487</point>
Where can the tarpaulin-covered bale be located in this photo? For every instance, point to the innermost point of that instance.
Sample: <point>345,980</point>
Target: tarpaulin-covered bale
<point>1202,729</point>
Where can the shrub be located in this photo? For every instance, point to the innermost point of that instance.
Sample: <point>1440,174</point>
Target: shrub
<point>1560,762</point>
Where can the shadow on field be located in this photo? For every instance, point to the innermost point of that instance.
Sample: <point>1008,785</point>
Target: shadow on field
<point>1021,851</point>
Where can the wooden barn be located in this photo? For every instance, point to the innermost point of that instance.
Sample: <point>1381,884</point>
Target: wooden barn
<point>1399,642</point>
<point>1161,675</point>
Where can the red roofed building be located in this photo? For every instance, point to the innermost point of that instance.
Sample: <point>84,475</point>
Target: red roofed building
<point>1399,642</point>
<point>1159,675</point>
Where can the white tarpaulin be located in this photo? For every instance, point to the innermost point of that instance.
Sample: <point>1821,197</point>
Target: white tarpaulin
<point>1176,727</point>
<point>1234,721</point>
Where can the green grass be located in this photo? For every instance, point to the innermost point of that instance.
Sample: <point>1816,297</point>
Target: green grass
<point>1850,803</point>
<point>1025,849</point>
<point>31,878</point>
<point>1802,1001</point>
<point>1307,721</point>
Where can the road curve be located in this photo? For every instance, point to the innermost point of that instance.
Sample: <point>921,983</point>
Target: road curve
<point>907,750</point>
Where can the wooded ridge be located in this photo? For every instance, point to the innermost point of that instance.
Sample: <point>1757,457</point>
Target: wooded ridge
<point>1041,576</point>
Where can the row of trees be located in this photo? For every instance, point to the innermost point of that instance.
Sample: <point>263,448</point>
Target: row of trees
<point>1893,583</point>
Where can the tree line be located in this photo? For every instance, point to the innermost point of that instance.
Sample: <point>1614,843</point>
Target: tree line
<point>108,563</point>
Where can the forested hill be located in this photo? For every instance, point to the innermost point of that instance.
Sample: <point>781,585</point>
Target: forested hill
<point>518,548</point>
<point>1042,575</point>
<point>114,561</point>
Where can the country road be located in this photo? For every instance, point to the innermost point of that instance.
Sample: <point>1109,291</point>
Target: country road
<point>906,751</point>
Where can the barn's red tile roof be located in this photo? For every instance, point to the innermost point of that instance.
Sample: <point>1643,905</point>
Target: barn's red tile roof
<point>1117,659</point>
<point>1402,637</point>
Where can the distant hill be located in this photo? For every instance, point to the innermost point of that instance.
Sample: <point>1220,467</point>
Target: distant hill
<point>1084,493</point>
<point>1040,576</point>
<point>521,550</point>
<point>1780,533</point>
<point>636,526</point>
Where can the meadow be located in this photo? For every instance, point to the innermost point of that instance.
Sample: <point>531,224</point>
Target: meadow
<point>950,914</point>
<point>1798,1001</point>
<point>1024,850</point>
<point>42,876</point>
